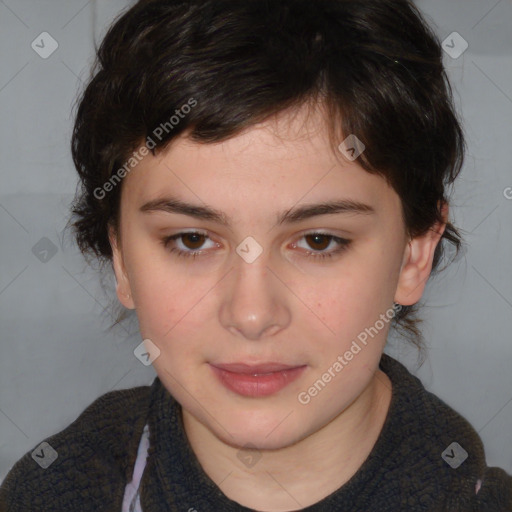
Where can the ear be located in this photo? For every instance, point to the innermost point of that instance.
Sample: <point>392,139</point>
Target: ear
<point>123,290</point>
<point>417,263</point>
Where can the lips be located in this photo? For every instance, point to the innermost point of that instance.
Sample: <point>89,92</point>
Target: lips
<point>260,369</point>
<point>256,380</point>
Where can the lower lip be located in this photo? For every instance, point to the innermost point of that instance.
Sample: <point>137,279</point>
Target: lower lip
<point>257,385</point>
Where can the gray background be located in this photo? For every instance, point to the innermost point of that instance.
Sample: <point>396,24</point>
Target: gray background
<point>55,354</point>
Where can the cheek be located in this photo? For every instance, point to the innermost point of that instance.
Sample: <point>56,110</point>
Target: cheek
<point>348,299</point>
<point>159,299</point>
<point>171,309</point>
<point>349,308</point>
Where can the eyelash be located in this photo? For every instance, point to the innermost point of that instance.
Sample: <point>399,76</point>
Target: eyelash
<point>343,245</point>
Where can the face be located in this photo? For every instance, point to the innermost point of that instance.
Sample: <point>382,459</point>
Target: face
<point>250,292</point>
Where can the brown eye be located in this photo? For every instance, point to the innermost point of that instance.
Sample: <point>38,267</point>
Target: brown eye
<point>193,240</point>
<point>319,242</point>
<point>187,244</point>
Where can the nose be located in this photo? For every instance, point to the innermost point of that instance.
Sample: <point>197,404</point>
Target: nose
<point>255,301</point>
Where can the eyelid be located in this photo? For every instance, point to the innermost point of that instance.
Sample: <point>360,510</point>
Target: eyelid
<point>324,232</point>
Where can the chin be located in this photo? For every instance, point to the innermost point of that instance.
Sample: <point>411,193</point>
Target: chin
<point>259,442</point>
<point>244,434</point>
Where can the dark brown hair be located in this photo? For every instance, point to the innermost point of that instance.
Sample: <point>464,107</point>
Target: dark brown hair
<point>375,66</point>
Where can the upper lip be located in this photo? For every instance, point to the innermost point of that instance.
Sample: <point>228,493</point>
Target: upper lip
<point>256,369</point>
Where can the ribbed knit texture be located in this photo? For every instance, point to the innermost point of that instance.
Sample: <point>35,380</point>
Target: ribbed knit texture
<point>404,471</point>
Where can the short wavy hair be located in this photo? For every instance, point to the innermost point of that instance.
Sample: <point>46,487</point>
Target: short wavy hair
<point>374,65</point>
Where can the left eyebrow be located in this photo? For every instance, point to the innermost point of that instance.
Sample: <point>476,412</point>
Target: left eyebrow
<point>293,215</point>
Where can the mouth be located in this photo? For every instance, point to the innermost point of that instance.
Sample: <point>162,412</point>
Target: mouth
<point>256,380</point>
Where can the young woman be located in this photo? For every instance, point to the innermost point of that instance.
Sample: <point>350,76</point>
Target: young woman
<point>268,180</point>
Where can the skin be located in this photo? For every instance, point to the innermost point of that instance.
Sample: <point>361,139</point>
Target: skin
<point>286,306</point>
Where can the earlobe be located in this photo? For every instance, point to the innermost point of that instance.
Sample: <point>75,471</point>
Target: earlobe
<point>417,264</point>
<point>123,289</point>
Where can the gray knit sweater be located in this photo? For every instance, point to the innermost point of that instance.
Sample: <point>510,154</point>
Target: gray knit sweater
<point>414,466</point>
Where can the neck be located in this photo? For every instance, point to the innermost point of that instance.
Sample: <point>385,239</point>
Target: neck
<point>302,474</point>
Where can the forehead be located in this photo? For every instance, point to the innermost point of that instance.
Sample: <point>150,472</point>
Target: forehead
<point>292,134</point>
<point>278,163</point>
